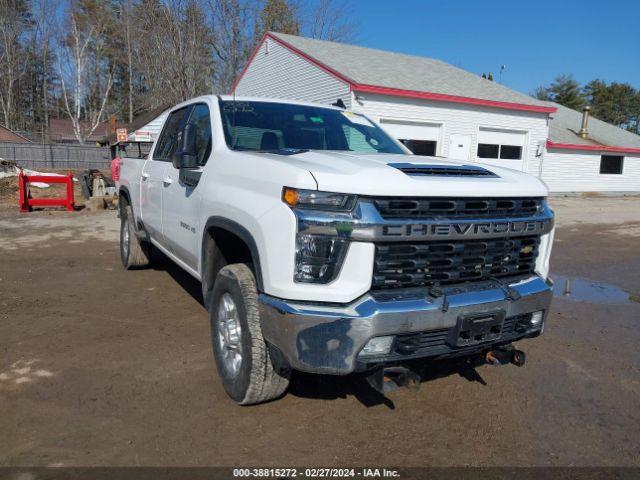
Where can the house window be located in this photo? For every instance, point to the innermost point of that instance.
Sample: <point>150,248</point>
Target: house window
<point>421,147</point>
<point>505,152</point>
<point>611,164</point>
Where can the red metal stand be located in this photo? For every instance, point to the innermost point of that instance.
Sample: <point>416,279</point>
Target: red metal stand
<point>26,202</point>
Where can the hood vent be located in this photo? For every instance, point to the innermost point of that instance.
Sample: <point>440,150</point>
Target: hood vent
<point>417,169</point>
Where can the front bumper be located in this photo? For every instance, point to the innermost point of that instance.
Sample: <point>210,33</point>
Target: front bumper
<point>327,338</point>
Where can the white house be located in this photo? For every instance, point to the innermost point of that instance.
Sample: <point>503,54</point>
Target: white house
<point>438,109</point>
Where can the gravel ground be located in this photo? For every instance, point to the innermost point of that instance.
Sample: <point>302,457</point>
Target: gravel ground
<point>99,366</point>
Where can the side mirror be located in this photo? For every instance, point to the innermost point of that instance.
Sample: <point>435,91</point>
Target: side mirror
<point>186,154</point>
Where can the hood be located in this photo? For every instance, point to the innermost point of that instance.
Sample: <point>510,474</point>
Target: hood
<point>373,174</point>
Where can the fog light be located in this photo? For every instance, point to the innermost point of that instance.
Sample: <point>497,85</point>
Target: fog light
<point>536,318</point>
<point>377,346</point>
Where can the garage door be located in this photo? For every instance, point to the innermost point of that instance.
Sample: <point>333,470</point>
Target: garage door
<point>505,148</point>
<point>421,137</point>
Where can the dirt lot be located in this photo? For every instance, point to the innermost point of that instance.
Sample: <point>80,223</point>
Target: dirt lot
<point>99,366</point>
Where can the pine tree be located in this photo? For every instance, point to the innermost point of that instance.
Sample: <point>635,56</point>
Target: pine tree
<point>566,91</point>
<point>277,16</point>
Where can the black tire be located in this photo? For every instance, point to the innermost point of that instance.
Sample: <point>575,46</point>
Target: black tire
<point>256,379</point>
<point>133,252</point>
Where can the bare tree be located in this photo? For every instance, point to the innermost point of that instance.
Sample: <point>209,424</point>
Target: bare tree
<point>14,22</point>
<point>173,50</point>
<point>45,30</point>
<point>126,17</point>
<point>82,49</point>
<point>233,23</point>
<point>331,20</point>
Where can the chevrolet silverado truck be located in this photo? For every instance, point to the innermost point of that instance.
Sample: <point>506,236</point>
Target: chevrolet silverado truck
<point>323,245</point>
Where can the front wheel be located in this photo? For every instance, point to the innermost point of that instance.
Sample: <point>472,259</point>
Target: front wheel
<point>241,353</point>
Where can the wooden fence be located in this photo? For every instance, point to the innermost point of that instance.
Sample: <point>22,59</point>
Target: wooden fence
<point>40,156</point>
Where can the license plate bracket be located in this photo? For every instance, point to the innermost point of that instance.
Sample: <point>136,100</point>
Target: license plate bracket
<point>478,328</point>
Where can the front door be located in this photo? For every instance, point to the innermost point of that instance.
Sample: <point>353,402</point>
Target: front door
<point>152,184</point>
<point>459,147</point>
<point>181,205</point>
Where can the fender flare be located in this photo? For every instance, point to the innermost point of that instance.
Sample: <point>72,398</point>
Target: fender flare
<point>138,226</point>
<point>124,192</point>
<point>242,233</point>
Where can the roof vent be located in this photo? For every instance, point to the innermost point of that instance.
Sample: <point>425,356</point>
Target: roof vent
<point>413,169</point>
<point>584,132</point>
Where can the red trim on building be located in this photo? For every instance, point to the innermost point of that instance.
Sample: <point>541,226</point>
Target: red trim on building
<point>597,148</point>
<point>396,92</point>
<point>244,69</point>
<point>295,50</point>
<point>441,97</point>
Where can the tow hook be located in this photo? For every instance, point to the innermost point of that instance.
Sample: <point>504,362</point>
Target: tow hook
<point>385,380</point>
<point>506,355</point>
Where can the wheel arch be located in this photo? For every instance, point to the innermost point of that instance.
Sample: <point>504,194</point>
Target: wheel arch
<point>123,193</point>
<point>217,225</point>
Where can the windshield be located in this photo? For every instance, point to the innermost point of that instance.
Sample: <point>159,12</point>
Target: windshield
<point>287,128</point>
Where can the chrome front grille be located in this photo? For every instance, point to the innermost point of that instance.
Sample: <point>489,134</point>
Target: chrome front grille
<point>411,264</point>
<point>457,208</point>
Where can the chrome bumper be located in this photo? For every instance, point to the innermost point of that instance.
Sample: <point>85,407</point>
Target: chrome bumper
<point>327,338</point>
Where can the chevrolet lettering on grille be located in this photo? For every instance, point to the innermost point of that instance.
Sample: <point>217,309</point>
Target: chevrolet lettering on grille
<point>468,230</point>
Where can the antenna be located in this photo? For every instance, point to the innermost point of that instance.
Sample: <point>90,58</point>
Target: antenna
<point>233,116</point>
<point>502,68</point>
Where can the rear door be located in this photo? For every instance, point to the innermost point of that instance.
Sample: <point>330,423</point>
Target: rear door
<point>154,173</point>
<point>151,197</point>
<point>182,202</point>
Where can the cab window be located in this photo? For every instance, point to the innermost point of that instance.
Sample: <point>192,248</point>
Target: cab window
<point>168,140</point>
<point>202,120</point>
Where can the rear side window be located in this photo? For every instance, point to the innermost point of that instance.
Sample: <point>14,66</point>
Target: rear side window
<point>201,119</point>
<point>167,141</point>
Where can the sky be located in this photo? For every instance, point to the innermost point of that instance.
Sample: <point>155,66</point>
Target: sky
<point>535,39</point>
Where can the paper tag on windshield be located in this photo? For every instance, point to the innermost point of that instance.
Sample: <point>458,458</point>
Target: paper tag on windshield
<point>359,119</point>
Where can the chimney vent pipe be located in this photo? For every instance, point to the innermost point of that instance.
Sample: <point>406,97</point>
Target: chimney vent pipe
<point>584,132</point>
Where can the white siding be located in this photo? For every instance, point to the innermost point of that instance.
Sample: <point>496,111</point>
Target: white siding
<point>499,136</point>
<point>413,130</point>
<point>579,171</point>
<point>461,120</point>
<point>280,73</point>
<point>153,127</point>
<point>277,72</point>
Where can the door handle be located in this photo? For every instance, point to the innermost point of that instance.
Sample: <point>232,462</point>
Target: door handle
<point>145,175</point>
<point>167,181</point>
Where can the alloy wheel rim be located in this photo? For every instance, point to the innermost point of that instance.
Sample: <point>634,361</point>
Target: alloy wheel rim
<point>125,239</point>
<point>229,335</point>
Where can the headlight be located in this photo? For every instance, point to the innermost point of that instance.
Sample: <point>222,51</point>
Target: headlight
<point>318,258</point>
<point>312,199</point>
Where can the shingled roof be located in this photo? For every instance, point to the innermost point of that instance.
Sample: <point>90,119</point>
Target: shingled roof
<point>565,125</point>
<point>379,71</point>
<point>7,135</point>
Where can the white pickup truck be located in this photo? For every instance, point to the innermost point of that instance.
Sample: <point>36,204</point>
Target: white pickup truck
<point>323,245</point>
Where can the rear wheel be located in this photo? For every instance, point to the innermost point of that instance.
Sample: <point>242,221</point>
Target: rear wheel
<point>241,353</point>
<point>133,252</point>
